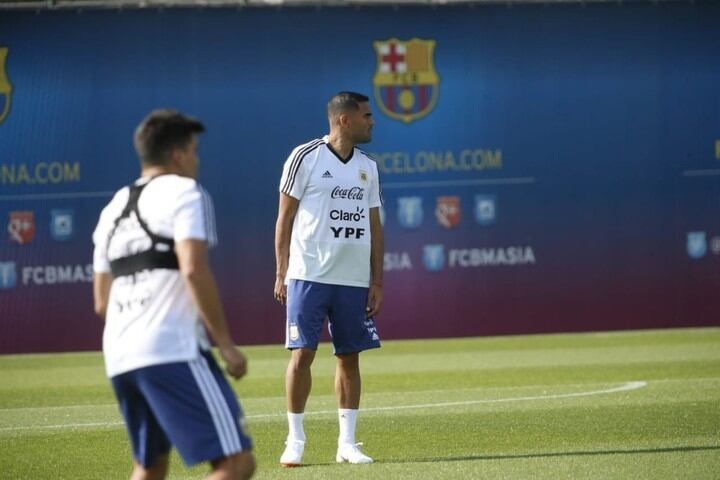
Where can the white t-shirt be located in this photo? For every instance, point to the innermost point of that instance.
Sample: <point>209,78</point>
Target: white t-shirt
<point>330,240</point>
<point>151,317</point>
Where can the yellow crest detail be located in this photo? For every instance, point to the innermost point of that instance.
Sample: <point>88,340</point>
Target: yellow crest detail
<point>5,86</point>
<point>406,83</point>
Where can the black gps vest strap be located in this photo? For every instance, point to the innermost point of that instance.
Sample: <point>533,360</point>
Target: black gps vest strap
<point>161,253</point>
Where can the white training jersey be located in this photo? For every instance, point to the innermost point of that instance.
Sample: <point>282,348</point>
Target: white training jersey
<point>151,317</point>
<point>330,240</point>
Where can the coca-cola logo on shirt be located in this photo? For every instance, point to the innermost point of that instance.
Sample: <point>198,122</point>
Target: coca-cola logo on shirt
<point>353,193</point>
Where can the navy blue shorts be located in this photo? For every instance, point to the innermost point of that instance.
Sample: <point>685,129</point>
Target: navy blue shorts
<point>189,405</point>
<point>309,303</point>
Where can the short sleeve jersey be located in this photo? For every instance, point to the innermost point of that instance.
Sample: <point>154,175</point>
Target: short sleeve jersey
<point>151,317</point>
<point>330,240</point>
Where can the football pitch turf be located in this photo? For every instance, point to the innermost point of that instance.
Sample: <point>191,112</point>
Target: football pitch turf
<point>619,405</point>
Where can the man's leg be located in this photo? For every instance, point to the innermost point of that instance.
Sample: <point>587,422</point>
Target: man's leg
<point>307,304</point>
<point>298,379</point>
<point>239,466</point>
<point>347,380</point>
<point>298,382</point>
<point>347,391</point>
<point>157,471</point>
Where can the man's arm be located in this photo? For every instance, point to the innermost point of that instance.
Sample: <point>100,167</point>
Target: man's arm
<point>283,229</point>
<point>195,268</point>
<point>101,292</point>
<point>377,255</point>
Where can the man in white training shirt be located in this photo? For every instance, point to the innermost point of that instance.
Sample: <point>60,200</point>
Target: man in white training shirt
<point>329,253</point>
<point>154,287</point>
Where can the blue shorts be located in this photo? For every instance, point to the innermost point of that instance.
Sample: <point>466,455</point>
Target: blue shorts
<point>309,303</point>
<point>186,404</point>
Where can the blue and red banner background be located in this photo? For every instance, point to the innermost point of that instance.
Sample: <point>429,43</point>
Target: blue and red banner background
<point>581,144</point>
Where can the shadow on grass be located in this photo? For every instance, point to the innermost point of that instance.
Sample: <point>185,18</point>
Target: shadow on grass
<point>633,451</point>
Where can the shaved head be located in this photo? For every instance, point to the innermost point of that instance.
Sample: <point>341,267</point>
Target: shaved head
<point>345,102</point>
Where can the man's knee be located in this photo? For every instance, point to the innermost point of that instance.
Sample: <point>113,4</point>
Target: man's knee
<point>301,359</point>
<point>348,361</point>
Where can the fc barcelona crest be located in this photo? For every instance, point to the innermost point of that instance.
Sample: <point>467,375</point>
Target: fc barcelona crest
<point>406,84</point>
<point>5,86</point>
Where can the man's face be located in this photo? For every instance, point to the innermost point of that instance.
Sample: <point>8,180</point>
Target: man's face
<point>360,123</point>
<point>187,159</point>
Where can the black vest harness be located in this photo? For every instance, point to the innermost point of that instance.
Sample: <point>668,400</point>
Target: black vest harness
<point>161,253</point>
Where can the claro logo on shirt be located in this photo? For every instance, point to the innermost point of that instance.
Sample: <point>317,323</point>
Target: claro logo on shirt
<point>348,216</point>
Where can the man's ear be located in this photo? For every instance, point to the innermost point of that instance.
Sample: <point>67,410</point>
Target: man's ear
<point>175,157</point>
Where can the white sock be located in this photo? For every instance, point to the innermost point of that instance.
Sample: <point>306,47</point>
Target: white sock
<point>295,422</point>
<point>348,419</point>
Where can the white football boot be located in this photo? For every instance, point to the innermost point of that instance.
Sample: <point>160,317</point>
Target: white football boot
<point>292,456</point>
<point>351,453</point>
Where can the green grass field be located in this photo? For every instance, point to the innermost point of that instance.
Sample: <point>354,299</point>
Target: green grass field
<point>624,405</point>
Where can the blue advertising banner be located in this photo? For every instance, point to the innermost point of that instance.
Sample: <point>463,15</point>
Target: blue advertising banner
<point>543,168</point>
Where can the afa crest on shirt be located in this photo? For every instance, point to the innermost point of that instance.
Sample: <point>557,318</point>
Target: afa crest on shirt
<point>5,86</point>
<point>363,176</point>
<point>406,84</point>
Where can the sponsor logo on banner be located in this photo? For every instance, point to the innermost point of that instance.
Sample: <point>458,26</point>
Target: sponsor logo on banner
<point>8,275</point>
<point>447,211</point>
<point>397,261</point>
<point>715,245</point>
<point>410,212</point>
<point>491,257</point>
<point>61,224</point>
<point>485,209</point>
<point>42,173</point>
<point>5,86</point>
<point>696,244</point>
<point>57,274</point>
<point>434,257</point>
<point>21,226</point>
<point>406,84</point>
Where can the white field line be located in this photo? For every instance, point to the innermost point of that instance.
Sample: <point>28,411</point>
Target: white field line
<point>623,388</point>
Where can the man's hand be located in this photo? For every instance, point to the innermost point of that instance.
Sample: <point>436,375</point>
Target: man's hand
<point>280,289</point>
<point>235,361</point>
<point>375,299</point>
